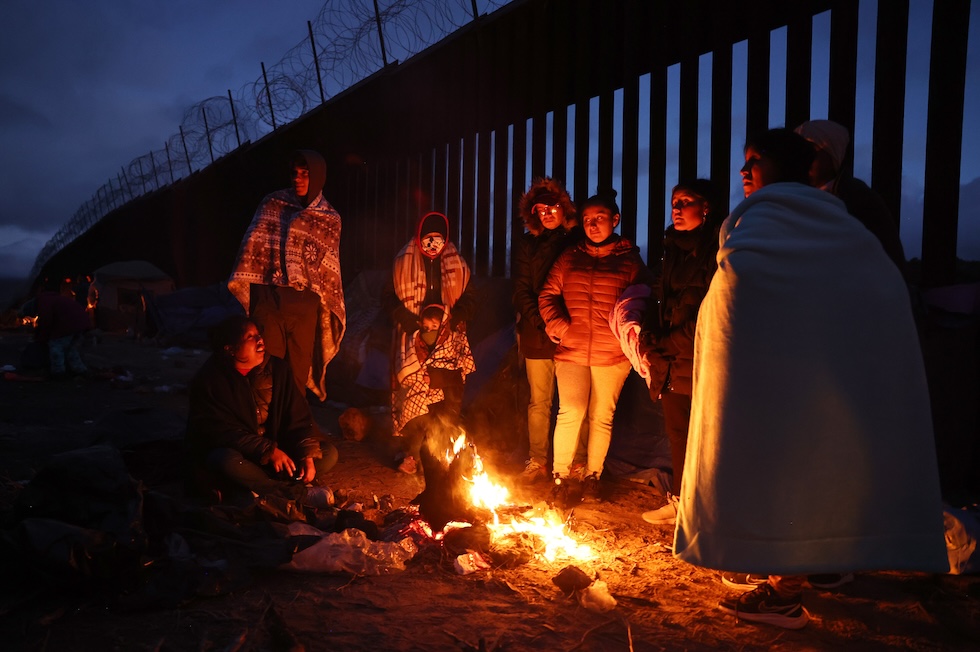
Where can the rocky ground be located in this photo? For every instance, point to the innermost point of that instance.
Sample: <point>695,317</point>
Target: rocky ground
<point>137,405</point>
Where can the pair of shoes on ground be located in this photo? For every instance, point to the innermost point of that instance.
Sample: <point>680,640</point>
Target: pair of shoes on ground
<point>748,581</point>
<point>666,515</point>
<point>764,605</point>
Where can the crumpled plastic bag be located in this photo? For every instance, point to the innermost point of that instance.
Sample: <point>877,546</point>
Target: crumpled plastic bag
<point>597,597</point>
<point>351,551</point>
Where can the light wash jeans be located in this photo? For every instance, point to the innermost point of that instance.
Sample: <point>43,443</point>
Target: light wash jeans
<point>586,391</point>
<point>541,379</point>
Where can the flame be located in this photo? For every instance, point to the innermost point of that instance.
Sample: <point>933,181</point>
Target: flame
<point>545,524</point>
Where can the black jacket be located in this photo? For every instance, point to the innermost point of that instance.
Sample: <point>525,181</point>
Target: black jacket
<point>223,412</point>
<point>534,258</point>
<point>667,336</point>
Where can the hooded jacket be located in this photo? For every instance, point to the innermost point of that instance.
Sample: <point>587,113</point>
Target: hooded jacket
<point>419,280</point>
<point>537,250</point>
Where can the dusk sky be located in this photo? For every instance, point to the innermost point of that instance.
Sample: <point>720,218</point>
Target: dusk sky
<point>86,87</point>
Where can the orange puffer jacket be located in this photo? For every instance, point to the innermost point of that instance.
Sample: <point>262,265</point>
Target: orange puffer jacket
<point>581,289</point>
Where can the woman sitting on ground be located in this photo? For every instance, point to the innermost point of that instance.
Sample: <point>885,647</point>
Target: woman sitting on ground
<point>250,428</point>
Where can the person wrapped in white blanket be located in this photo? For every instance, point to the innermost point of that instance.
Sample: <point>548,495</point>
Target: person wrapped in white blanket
<point>810,449</point>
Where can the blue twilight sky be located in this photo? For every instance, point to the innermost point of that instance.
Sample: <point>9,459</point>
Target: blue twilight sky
<point>85,87</point>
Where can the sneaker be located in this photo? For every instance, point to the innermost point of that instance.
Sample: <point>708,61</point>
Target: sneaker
<point>534,471</point>
<point>666,515</point>
<point>829,580</point>
<point>590,488</point>
<point>577,471</point>
<point>764,605</point>
<point>743,581</point>
<point>561,491</point>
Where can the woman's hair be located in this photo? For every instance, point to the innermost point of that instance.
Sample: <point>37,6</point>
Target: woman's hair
<point>791,154</point>
<point>703,189</point>
<point>605,197</point>
<point>228,333</point>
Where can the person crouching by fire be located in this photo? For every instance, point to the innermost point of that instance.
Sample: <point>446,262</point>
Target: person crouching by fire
<point>250,430</point>
<point>428,271</point>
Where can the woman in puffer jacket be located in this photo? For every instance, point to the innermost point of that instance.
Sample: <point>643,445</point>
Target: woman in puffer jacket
<point>575,303</point>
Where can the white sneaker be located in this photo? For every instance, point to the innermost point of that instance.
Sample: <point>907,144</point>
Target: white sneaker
<point>666,515</point>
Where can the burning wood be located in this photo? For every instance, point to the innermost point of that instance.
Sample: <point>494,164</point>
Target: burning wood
<point>460,493</point>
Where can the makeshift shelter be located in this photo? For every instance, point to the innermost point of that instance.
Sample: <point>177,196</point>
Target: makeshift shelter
<point>124,291</point>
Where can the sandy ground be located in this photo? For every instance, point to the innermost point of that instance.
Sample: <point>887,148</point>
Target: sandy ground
<point>662,604</point>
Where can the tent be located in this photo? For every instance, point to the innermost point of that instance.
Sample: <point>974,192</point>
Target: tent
<point>122,290</point>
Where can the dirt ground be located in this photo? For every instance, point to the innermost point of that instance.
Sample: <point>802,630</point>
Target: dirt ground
<point>662,603</point>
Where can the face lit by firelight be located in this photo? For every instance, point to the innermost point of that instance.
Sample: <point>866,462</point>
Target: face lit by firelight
<point>301,180</point>
<point>250,351</point>
<point>598,223</point>
<point>688,211</point>
<point>757,172</point>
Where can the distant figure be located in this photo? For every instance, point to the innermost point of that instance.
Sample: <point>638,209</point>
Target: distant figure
<point>428,271</point>
<point>249,427</point>
<point>287,274</point>
<point>827,173</point>
<point>548,214</point>
<point>575,302</point>
<point>661,333</point>
<point>61,325</point>
<point>810,448</point>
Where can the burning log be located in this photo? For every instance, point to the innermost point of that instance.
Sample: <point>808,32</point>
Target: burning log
<point>447,467</point>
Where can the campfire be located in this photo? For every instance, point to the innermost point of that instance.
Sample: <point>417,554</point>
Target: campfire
<point>461,495</point>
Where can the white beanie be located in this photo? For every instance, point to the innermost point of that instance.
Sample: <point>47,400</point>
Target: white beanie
<point>828,136</point>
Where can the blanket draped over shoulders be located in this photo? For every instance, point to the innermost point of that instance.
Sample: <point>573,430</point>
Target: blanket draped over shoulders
<point>288,244</point>
<point>811,444</point>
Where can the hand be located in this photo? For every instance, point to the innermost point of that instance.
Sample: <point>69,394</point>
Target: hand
<point>307,469</point>
<point>282,463</point>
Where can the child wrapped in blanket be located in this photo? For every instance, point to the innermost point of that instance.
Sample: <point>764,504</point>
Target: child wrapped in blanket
<point>429,394</point>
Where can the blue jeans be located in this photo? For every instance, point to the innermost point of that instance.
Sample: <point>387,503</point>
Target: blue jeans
<point>541,380</point>
<point>586,392</point>
<point>64,350</point>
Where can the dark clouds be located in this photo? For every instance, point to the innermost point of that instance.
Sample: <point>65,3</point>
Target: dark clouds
<point>85,87</point>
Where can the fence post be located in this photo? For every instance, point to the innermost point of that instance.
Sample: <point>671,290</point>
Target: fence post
<point>316,61</point>
<point>170,164</point>
<point>234,118</point>
<point>187,155</point>
<point>268,96</point>
<point>123,177</point>
<point>153,169</point>
<point>207,132</point>
<point>381,36</point>
<point>139,162</point>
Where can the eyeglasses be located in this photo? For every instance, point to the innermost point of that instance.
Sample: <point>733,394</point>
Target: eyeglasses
<point>544,209</point>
